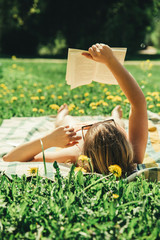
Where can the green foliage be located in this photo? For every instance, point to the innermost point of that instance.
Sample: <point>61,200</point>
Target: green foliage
<point>36,23</point>
<point>41,209</point>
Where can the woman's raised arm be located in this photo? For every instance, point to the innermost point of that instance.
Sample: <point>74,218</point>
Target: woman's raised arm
<point>138,123</point>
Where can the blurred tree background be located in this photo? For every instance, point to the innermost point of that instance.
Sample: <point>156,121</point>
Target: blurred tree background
<point>49,27</point>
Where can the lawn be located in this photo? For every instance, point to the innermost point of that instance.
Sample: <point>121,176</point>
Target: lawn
<point>67,208</point>
<point>34,88</point>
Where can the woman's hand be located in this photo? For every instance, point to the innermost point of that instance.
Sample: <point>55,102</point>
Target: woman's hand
<point>99,53</point>
<point>63,137</point>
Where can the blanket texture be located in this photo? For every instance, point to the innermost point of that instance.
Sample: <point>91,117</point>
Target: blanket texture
<point>16,131</point>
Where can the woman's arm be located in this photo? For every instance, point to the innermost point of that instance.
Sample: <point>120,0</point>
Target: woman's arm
<point>59,137</point>
<point>138,123</point>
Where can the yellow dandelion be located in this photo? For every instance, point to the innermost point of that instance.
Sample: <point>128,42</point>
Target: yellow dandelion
<point>83,158</point>
<point>105,104</point>
<point>19,86</point>
<point>71,107</point>
<point>155,94</point>
<point>94,107</point>
<point>110,97</point>
<point>0,96</point>
<point>60,85</point>
<point>14,99</point>
<point>158,104</point>
<point>149,74</point>
<point>34,98</point>
<point>22,95</point>
<point>41,110</point>
<point>34,109</point>
<point>86,94</point>
<point>147,60</point>
<point>150,66</point>
<point>77,169</point>
<point>126,101</point>
<point>32,171</point>
<point>83,101</point>
<point>35,84</point>
<point>92,104</point>
<point>54,106</point>
<point>117,99</point>
<point>115,196</point>
<point>94,97</point>
<point>81,111</point>
<point>75,96</point>
<point>149,98</point>
<point>52,96</point>
<point>116,170</point>
<point>14,66</point>
<point>65,93</point>
<point>59,97</point>
<point>42,97</point>
<point>151,106</point>
<point>39,90</point>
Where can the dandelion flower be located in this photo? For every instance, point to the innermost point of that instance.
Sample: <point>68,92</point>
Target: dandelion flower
<point>149,98</point>
<point>54,106</point>
<point>59,97</point>
<point>39,90</point>
<point>115,196</point>
<point>22,95</point>
<point>14,99</point>
<point>86,94</point>
<point>81,111</point>
<point>41,110</point>
<point>42,97</point>
<point>77,169</point>
<point>149,74</point>
<point>151,106</point>
<point>116,170</point>
<point>34,109</point>
<point>34,98</point>
<point>52,96</point>
<point>32,171</point>
<point>14,66</point>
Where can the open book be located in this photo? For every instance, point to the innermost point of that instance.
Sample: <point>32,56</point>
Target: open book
<point>82,71</point>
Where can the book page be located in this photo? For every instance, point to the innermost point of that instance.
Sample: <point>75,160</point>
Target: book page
<point>80,70</point>
<point>103,74</point>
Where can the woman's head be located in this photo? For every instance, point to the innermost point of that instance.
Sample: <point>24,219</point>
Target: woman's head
<point>106,144</point>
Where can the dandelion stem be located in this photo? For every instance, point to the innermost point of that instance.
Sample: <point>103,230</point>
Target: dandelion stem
<point>92,184</point>
<point>44,160</point>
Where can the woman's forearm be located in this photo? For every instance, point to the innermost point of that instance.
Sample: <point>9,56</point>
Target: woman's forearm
<point>126,82</point>
<point>27,151</point>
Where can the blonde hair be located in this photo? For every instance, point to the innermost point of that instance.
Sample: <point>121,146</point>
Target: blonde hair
<point>105,144</point>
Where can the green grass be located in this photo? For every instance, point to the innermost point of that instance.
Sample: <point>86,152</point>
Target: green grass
<point>40,209</point>
<point>37,208</point>
<point>29,88</point>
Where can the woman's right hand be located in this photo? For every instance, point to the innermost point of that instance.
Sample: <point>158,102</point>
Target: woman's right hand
<point>100,53</point>
<point>63,137</point>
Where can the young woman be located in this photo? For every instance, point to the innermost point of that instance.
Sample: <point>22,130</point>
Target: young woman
<point>105,142</point>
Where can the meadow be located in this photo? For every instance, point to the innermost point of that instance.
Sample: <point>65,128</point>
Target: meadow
<point>79,206</point>
<point>36,88</point>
